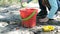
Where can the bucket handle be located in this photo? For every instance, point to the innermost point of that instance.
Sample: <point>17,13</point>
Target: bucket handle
<point>25,19</point>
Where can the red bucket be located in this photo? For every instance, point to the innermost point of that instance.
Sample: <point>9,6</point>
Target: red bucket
<point>28,16</point>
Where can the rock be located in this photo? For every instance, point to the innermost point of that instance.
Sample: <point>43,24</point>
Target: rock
<point>3,24</point>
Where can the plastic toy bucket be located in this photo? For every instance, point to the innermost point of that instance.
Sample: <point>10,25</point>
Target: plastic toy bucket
<point>28,16</point>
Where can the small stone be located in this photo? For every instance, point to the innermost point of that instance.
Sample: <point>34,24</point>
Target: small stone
<point>17,28</point>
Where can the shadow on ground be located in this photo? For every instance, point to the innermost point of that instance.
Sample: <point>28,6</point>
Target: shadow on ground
<point>50,22</point>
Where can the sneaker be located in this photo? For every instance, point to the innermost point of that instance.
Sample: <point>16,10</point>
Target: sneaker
<point>43,20</point>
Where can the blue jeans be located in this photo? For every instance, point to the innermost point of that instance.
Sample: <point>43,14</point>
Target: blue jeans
<point>54,8</point>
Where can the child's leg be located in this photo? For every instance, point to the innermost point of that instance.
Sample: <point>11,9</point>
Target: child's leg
<point>54,8</point>
<point>43,9</point>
